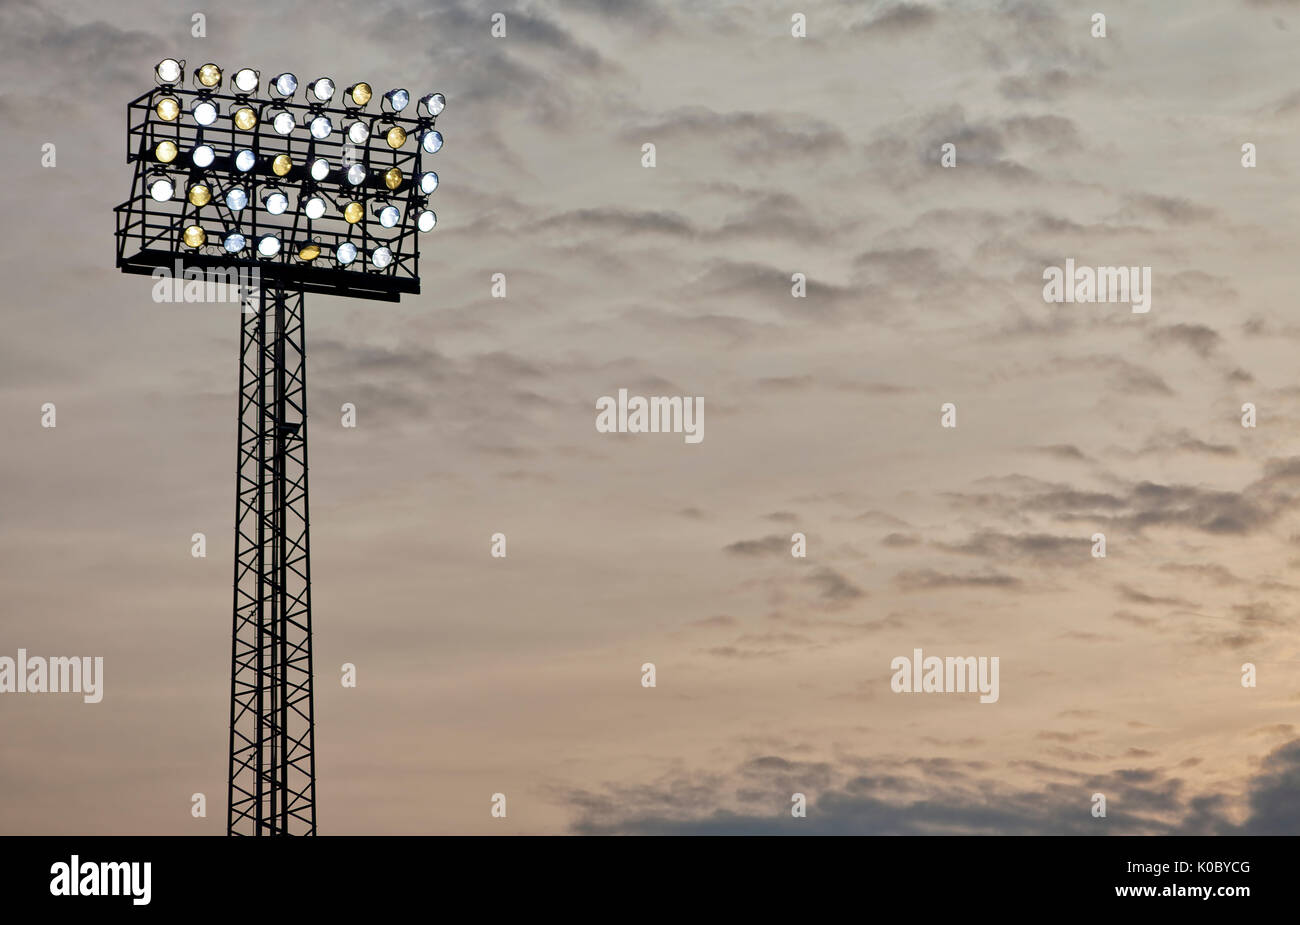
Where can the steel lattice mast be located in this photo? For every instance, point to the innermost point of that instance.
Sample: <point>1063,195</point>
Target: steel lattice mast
<point>300,197</point>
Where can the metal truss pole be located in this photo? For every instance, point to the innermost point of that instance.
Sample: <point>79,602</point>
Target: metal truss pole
<point>272,755</point>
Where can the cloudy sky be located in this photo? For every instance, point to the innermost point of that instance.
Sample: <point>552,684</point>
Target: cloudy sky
<point>775,155</point>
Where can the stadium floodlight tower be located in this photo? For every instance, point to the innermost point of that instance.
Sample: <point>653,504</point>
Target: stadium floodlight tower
<point>320,191</point>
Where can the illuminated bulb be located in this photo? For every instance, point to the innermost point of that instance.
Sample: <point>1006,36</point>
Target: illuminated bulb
<point>281,165</point>
<point>358,132</point>
<point>396,136</point>
<point>204,113</point>
<point>322,89</point>
<point>203,156</point>
<point>381,257</point>
<point>356,174</point>
<point>245,80</point>
<point>195,236</point>
<point>245,160</point>
<point>165,152</point>
<point>309,253</point>
<point>431,141</point>
<point>209,75</point>
<point>428,182</point>
<point>434,103</point>
<point>392,178</point>
<point>162,189</point>
<point>426,220</point>
<point>345,253</point>
<point>268,246</point>
<point>283,122</point>
<point>168,109</point>
<point>314,208</point>
<point>235,242</point>
<point>353,212</point>
<point>168,71</point>
<point>360,93</point>
<point>388,216</point>
<point>320,169</point>
<point>321,127</point>
<point>245,118</point>
<point>200,195</point>
<point>236,199</point>
<point>275,202</point>
<point>285,84</point>
<point>397,99</point>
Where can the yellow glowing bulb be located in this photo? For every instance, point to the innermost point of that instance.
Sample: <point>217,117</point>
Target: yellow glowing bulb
<point>396,136</point>
<point>353,212</point>
<point>361,94</point>
<point>392,178</point>
<point>281,165</point>
<point>310,252</point>
<point>209,75</point>
<point>168,109</point>
<point>165,152</point>
<point>195,236</point>
<point>245,118</point>
<point>200,195</point>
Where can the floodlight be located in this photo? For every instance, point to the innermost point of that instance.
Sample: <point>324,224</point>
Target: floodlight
<point>320,169</point>
<point>209,76</point>
<point>356,174</point>
<point>203,156</point>
<point>388,215</point>
<point>396,100</point>
<point>282,121</point>
<point>314,208</point>
<point>235,242</point>
<point>431,141</point>
<point>169,71</point>
<point>345,253</point>
<point>204,112</point>
<point>245,160</point>
<point>236,199</point>
<point>426,220</point>
<point>195,236</point>
<point>359,94</point>
<point>246,80</point>
<point>322,89</point>
<point>321,127</point>
<point>309,252</point>
<point>200,195</point>
<point>428,182</point>
<point>281,165</point>
<point>381,257</point>
<point>165,152</point>
<point>353,213</point>
<point>358,132</point>
<point>245,118</point>
<point>396,137</point>
<point>392,178</point>
<point>275,201</point>
<point>168,109</point>
<point>268,246</point>
<point>161,189</point>
<point>433,104</point>
<point>284,84</point>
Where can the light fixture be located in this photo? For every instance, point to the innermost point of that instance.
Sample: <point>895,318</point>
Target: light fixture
<point>275,201</point>
<point>246,80</point>
<point>392,178</point>
<point>194,236</point>
<point>236,199</point>
<point>320,169</point>
<point>381,257</point>
<point>426,220</point>
<point>282,121</point>
<point>396,137</point>
<point>208,76</point>
<point>431,141</point>
<point>168,109</point>
<point>281,165</point>
<point>309,252</point>
<point>169,70</point>
<point>235,242</point>
<point>204,112</point>
<point>359,93</point>
<point>162,189</point>
<point>245,160</point>
<point>322,88</point>
<point>268,246</point>
<point>314,208</point>
<point>200,195</point>
<point>358,132</point>
<point>356,174</point>
<point>396,100</point>
<point>345,253</point>
<point>388,215</point>
<point>165,152</point>
<point>353,212</point>
<point>203,156</point>
<point>321,127</point>
<point>433,104</point>
<point>245,118</point>
<point>428,182</point>
<point>284,84</point>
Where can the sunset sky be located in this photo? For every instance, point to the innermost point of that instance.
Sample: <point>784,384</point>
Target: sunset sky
<point>775,155</point>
